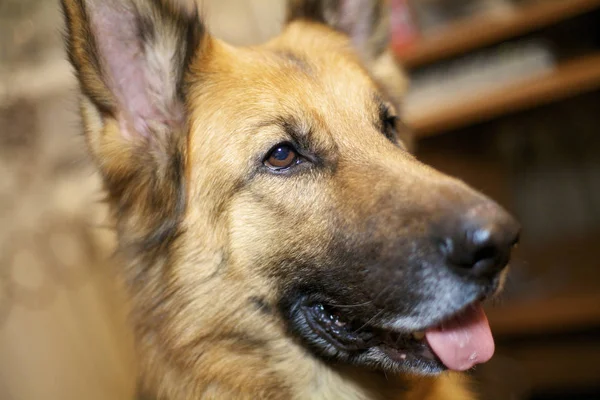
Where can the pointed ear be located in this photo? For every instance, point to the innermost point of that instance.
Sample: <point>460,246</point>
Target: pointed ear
<point>131,58</point>
<point>366,22</point>
<point>367,25</point>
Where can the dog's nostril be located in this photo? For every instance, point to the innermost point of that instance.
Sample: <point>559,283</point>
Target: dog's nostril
<point>467,255</point>
<point>480,243</point>
<point>485,253</point>
<point>516,240</point>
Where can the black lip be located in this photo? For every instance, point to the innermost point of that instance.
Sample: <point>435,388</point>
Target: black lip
<point>347,337</point>
<point>338,337</point>
<point>354,341</point>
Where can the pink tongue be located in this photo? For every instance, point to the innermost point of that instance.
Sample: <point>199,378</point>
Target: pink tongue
<point>464,341</point>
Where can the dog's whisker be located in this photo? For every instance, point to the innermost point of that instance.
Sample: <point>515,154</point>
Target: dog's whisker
<point>366,303</point>
<point>377,314</point>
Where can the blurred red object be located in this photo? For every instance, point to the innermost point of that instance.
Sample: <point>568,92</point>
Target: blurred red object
<point>405,31</point>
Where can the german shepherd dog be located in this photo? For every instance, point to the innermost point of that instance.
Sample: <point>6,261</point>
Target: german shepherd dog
<point>279,241</point>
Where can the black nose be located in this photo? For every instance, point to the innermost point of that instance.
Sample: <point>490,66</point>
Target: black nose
<point>479,242</point>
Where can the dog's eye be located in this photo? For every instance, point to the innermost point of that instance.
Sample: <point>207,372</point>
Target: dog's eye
<point>282,156</point>
<point>390,122</point>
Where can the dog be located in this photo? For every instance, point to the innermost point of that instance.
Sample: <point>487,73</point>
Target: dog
<point>279,241</point>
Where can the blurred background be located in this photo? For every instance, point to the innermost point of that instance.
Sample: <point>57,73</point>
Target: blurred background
<point>504,94</point>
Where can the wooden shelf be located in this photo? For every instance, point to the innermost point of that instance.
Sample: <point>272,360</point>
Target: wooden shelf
<point>542,364</point>
<point>565,313</point>
<point>569,79</point>
<point>484,30</point>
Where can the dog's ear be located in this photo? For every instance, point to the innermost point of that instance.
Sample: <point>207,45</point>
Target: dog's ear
<point>366,22</point>
<point>131,59</point>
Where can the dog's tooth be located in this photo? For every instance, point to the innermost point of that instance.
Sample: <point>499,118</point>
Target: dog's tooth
<point>419,335</point>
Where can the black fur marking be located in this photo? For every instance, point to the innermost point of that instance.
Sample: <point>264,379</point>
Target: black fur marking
<point>330,13</point>
<point>387,122</point>
<point>152,190</point>
<point>146,31</point>
<point>168,230</point>
<point>191,32</point>
<point>90,53</point>
<point>295,59</point>
<point>261,305</point>
<point>82,48</point>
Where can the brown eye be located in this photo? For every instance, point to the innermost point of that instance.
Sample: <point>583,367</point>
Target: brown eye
<point>281,157</point>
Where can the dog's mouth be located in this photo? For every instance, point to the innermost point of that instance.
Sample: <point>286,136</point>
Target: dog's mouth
<point>459,342</point>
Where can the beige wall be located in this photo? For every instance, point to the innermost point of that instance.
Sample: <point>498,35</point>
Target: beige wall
<point>62,331</point>
<point>62,326</point>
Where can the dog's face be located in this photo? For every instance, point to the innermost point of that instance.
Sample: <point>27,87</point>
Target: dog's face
<point>278,177</point>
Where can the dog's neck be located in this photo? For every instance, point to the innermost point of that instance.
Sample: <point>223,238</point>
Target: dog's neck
<point>293,377</point>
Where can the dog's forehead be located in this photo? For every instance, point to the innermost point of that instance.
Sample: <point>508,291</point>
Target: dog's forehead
<point>312,76</point>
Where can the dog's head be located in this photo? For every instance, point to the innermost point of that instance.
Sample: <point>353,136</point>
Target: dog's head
<point>270,188</point>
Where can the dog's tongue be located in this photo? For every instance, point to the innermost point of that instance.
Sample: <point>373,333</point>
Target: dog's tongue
<point>464,341</point>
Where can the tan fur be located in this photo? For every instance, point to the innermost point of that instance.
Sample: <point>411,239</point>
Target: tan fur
<point>197,334</point>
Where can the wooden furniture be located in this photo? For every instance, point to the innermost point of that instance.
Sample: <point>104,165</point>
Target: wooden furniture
<point>570,78</point>
<point>548,337</point>
<point>483,30</point>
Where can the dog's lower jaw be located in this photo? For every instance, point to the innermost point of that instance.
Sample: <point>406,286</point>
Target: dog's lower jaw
<point>253,376</point>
